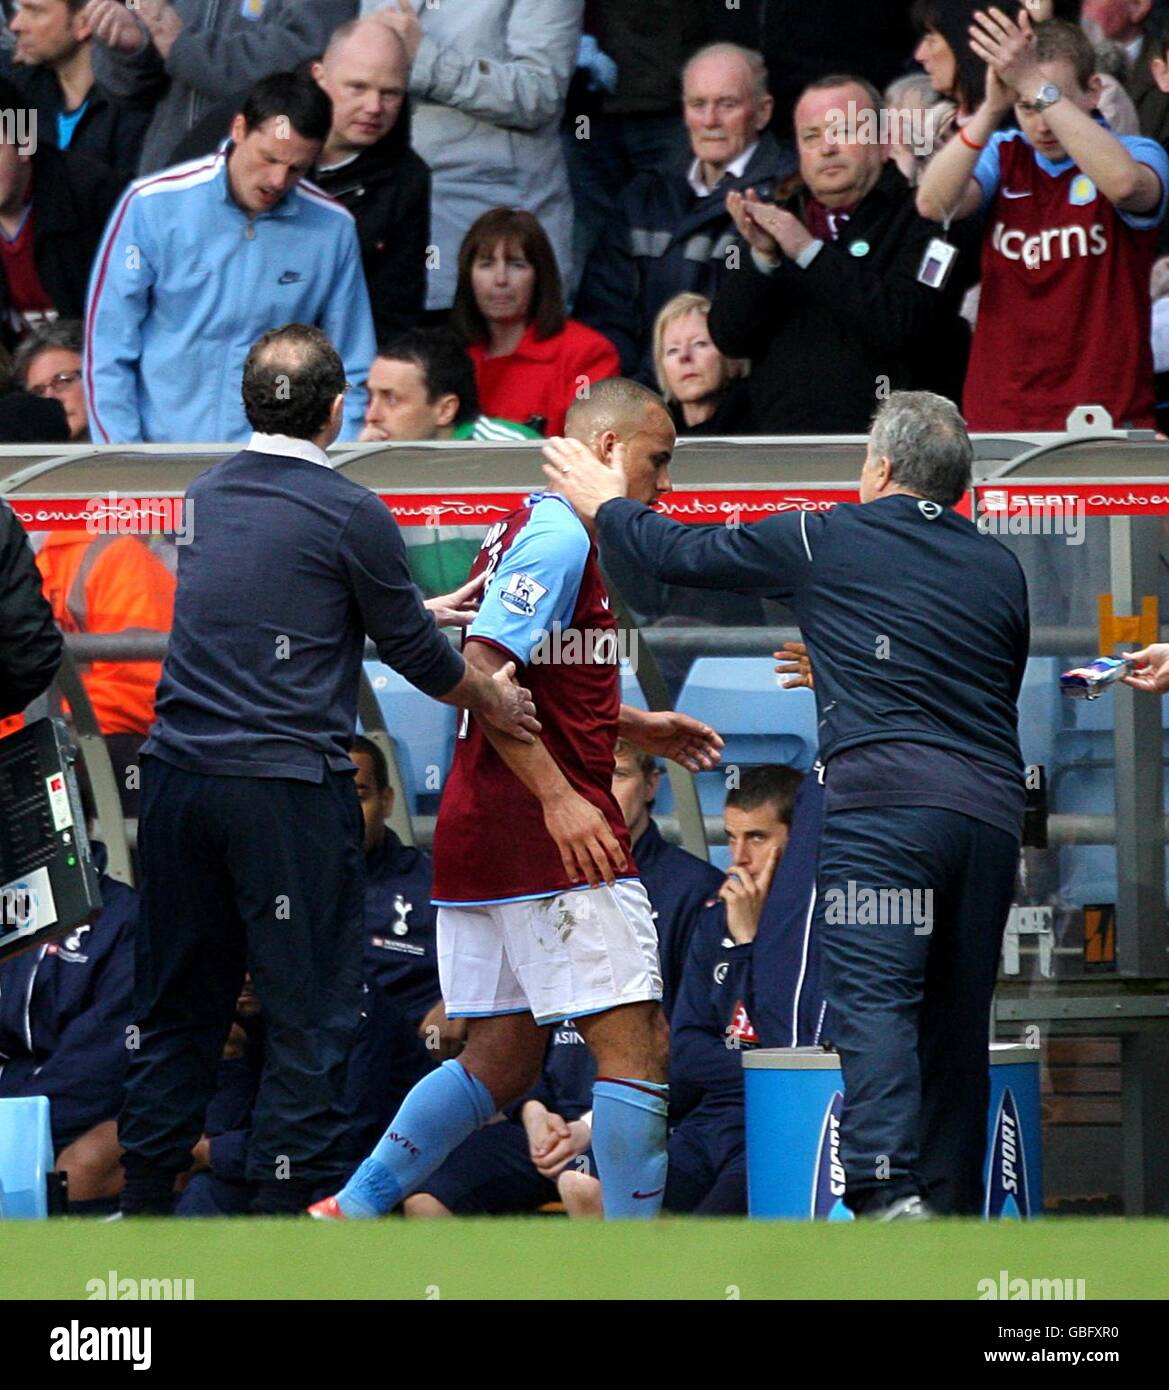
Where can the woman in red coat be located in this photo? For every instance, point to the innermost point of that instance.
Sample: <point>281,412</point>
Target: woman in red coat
<point>530,358</point>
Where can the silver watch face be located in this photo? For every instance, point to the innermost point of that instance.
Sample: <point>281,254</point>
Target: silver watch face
<point>1049,94</point>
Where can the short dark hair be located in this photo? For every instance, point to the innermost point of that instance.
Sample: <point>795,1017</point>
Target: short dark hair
<point>63,335</point>
<point>767,785</point>
<point>291,379</point>
<point>445,365</point>
<point>381,771</point>
<point>295,96</point>
<point>509,225</point>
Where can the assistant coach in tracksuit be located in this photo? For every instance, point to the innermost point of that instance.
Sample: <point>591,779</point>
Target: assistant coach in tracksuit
<point>917,629</point>
<point>250,834</point>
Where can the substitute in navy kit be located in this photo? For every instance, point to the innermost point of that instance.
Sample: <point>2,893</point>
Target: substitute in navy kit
<point>917,628</point>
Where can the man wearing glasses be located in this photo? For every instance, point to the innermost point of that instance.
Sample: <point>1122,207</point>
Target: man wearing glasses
<point>48,365</point>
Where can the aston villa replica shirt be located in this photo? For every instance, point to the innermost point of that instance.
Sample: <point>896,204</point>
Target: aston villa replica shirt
<point>546,605</point>
<point>1064,318</point>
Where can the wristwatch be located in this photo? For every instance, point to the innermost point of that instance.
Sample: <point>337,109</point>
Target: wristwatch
<point>1047,96</point>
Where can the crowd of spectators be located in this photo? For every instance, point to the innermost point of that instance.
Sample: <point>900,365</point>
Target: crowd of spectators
<point>546,177</point>
<point>489,207</point>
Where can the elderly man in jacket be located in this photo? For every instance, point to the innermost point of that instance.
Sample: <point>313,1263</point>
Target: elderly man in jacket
<point>675,233</point>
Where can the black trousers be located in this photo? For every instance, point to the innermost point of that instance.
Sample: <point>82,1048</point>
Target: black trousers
<point>909,959</point>
<point>253,874</point>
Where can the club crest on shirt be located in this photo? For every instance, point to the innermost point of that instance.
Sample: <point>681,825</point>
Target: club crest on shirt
<point>1083,191</point>
<point>740,1027</point>
<point>402,910</point>
<point>70,948</point>
<point>252,9</point>
<point>521,594</point>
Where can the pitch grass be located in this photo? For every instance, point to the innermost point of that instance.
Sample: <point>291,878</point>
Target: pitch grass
<point>551,1258</point>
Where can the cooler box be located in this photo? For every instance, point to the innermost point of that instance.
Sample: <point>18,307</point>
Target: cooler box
<point>793,1103</point>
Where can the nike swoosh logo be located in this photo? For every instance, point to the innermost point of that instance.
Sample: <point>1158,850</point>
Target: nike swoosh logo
<point>290,277</point>
<point>645,1196</point>
<point>1010,193</point>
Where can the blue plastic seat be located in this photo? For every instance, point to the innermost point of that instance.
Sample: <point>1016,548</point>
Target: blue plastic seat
<point>720,856</point>
<point>26,1157</point>
<point>760,721</point>
<point>423,732</point>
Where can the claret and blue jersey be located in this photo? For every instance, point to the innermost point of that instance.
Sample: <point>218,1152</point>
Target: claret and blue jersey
<point>545,605</point>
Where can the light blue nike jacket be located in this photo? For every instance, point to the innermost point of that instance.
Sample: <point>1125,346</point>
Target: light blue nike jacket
<point>185,282</point>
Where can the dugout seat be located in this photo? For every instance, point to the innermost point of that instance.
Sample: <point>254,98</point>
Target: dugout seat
<point>760,721</point>
<point>423,732</point>
<point>26,1157</point>
<point>1087,873</point>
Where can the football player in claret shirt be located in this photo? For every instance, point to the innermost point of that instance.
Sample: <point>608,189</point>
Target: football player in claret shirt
<point>1071,213</point>
<point>541,914</point>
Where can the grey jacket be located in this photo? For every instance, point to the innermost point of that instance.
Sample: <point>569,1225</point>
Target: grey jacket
<point>489,84</point>
<point>226,47</point>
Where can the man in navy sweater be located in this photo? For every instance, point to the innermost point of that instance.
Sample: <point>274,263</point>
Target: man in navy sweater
<point>917,628</point>
<point>250,835</point>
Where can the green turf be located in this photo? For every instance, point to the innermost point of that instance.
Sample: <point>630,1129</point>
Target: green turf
<point>550,1257</point>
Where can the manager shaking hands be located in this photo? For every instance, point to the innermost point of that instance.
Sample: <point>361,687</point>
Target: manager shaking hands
<point>251,831</point>
<point>917,628</point>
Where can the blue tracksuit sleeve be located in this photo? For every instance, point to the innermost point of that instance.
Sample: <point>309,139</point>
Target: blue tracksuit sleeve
<point>702,1051</point>
<point>119,300</point>
<point>348,322</point>
<point>770,557</point>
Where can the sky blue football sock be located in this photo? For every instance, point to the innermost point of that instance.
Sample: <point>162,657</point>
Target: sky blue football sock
<point>629,1141</point>
<point>442,1110</point>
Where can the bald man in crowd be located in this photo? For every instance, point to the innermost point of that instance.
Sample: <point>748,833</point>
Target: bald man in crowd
<point>367,164</point>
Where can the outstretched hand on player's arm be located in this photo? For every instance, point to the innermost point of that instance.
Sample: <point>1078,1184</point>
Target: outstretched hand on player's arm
<point>496,697</point>
<point>457,609</point>
<point>668,734</point>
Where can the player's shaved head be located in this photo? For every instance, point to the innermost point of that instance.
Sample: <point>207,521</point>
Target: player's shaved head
<point>364,37</point>
<point>616,405</point>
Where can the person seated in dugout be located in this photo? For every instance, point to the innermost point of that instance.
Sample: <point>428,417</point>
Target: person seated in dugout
<point>711,1023</point>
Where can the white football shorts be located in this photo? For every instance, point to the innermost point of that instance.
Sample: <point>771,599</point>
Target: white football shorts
<point>557,957</point>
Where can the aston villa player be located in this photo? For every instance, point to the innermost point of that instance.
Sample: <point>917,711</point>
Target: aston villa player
<point>541,914</point>
<point>1071,213</point>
